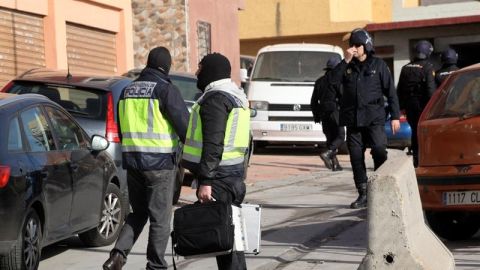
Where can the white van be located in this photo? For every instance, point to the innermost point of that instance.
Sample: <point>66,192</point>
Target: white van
<point>280,88</point>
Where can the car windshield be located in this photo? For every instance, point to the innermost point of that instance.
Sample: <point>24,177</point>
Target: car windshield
<point>460,98</point>
<point>290,66</point>
<point>78,101</point>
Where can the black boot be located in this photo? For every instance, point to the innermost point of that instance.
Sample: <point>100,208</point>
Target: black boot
<point>115,262</point>
<point>361,201</point>
<point>336,164</point>
<point>327,158</point>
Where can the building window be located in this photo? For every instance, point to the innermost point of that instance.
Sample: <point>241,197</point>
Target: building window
<point>204,39</point>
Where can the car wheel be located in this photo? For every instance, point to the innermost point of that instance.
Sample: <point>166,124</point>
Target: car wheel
<point>25,255</point>
<point>111,220</point>
<point>177,189</point>
<point>453,225</point>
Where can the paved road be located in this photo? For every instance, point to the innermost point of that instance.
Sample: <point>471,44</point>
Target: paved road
<point>306,222</point>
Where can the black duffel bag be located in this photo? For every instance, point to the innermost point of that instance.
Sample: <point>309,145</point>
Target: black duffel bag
<point>203,229</point>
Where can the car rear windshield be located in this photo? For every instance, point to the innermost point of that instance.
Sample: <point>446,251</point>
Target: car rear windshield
<point>83,102</point>
<point>291,66</point>
<point>459,98</point>
<point>187,86</point>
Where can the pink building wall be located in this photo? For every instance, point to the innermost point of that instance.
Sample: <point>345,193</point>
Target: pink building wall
<point>223,18</point>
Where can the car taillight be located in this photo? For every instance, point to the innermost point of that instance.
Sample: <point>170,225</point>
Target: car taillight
<point>7,86</point>
<point>112,129</point>
<point>4,175</point>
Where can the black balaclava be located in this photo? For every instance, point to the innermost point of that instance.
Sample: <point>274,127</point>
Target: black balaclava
<point>159,58</point>
<point>213,67</point>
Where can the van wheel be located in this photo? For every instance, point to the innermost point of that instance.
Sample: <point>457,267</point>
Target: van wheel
<point>259,146</point>
<point>111,220</point>
<point>343,149</point>
<point>453,225</point>
<point>25,254</point>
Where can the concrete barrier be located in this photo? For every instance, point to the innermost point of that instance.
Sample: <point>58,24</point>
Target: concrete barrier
<point>398,237</point>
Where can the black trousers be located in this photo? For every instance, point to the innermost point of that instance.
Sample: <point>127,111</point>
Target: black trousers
<point>414,109</point>
<point>231,190</point>
<point>151,195</point>
<point>334,133</point>
<point>358,140</point>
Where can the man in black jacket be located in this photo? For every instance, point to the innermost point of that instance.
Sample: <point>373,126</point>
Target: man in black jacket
<point>366,79</point>
<point>415,87</point>
<point>217,141</point>
<point>325,108</point>
<point>152,118</point>
<point>449,64</point>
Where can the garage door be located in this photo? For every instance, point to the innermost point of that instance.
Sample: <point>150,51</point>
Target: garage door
<point>21,44</point>
<point>91,50</point>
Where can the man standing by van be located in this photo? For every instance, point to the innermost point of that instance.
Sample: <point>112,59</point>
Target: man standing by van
<point>366,79</point>
<point>325,108</point>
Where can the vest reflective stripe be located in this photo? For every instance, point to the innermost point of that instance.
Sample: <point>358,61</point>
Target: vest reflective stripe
<point>236,139</point>
<point>144,129</point>
<point>139,135</point>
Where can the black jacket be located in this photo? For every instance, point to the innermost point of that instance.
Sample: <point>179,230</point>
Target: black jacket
<point>214,111</point>
<point>444,72</point>
<point>325,98</point>
<point>417,81</point>
<point>172,107</point>
<point>364,86</point>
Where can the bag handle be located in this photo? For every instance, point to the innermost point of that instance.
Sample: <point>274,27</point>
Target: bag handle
<point>173,251</point>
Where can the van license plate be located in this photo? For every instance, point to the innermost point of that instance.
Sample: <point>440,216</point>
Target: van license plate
<point>461,197</point>
<point>295,127</point>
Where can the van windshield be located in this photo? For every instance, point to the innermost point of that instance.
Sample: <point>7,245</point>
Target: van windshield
<point>291,66</point>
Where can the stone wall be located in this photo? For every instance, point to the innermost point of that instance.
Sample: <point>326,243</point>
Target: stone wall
<point>160,23</point>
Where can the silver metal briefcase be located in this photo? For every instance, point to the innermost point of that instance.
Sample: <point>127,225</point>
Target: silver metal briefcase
<point>247,221</point>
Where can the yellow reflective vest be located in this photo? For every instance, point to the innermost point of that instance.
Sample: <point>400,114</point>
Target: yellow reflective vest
<point>144,128</point>
<point>237,135</point>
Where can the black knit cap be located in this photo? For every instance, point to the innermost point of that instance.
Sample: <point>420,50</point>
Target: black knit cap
<point>213,67</point>
<point>159,58</point>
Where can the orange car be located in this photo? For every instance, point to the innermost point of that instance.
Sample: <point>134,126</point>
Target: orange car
<point>449,156</point>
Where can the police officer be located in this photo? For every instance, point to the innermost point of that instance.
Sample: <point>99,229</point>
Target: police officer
<point>325,109</point>
<point>366,79</point>
<point>415,87</point>
<point>152,117</point>
<point>449,64</point>
<point>217,141</point>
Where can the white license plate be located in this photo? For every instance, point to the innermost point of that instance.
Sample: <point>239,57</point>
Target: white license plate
<point>461,197</point>
<point>295,127</point>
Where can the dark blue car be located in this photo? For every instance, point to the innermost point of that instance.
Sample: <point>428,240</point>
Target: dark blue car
<point>55,181</point>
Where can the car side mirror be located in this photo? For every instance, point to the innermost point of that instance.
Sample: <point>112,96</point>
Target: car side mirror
<point>99,143</point>
<point>243,75</point>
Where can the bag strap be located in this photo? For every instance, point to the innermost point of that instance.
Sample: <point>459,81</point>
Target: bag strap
<point>173,253</point>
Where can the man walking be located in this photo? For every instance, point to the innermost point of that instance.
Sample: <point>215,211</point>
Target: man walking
<point>325,108</point>
<point>152,117</point>
<point>366,79</point>
<point>217,141</point>
<point>415,87</point>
